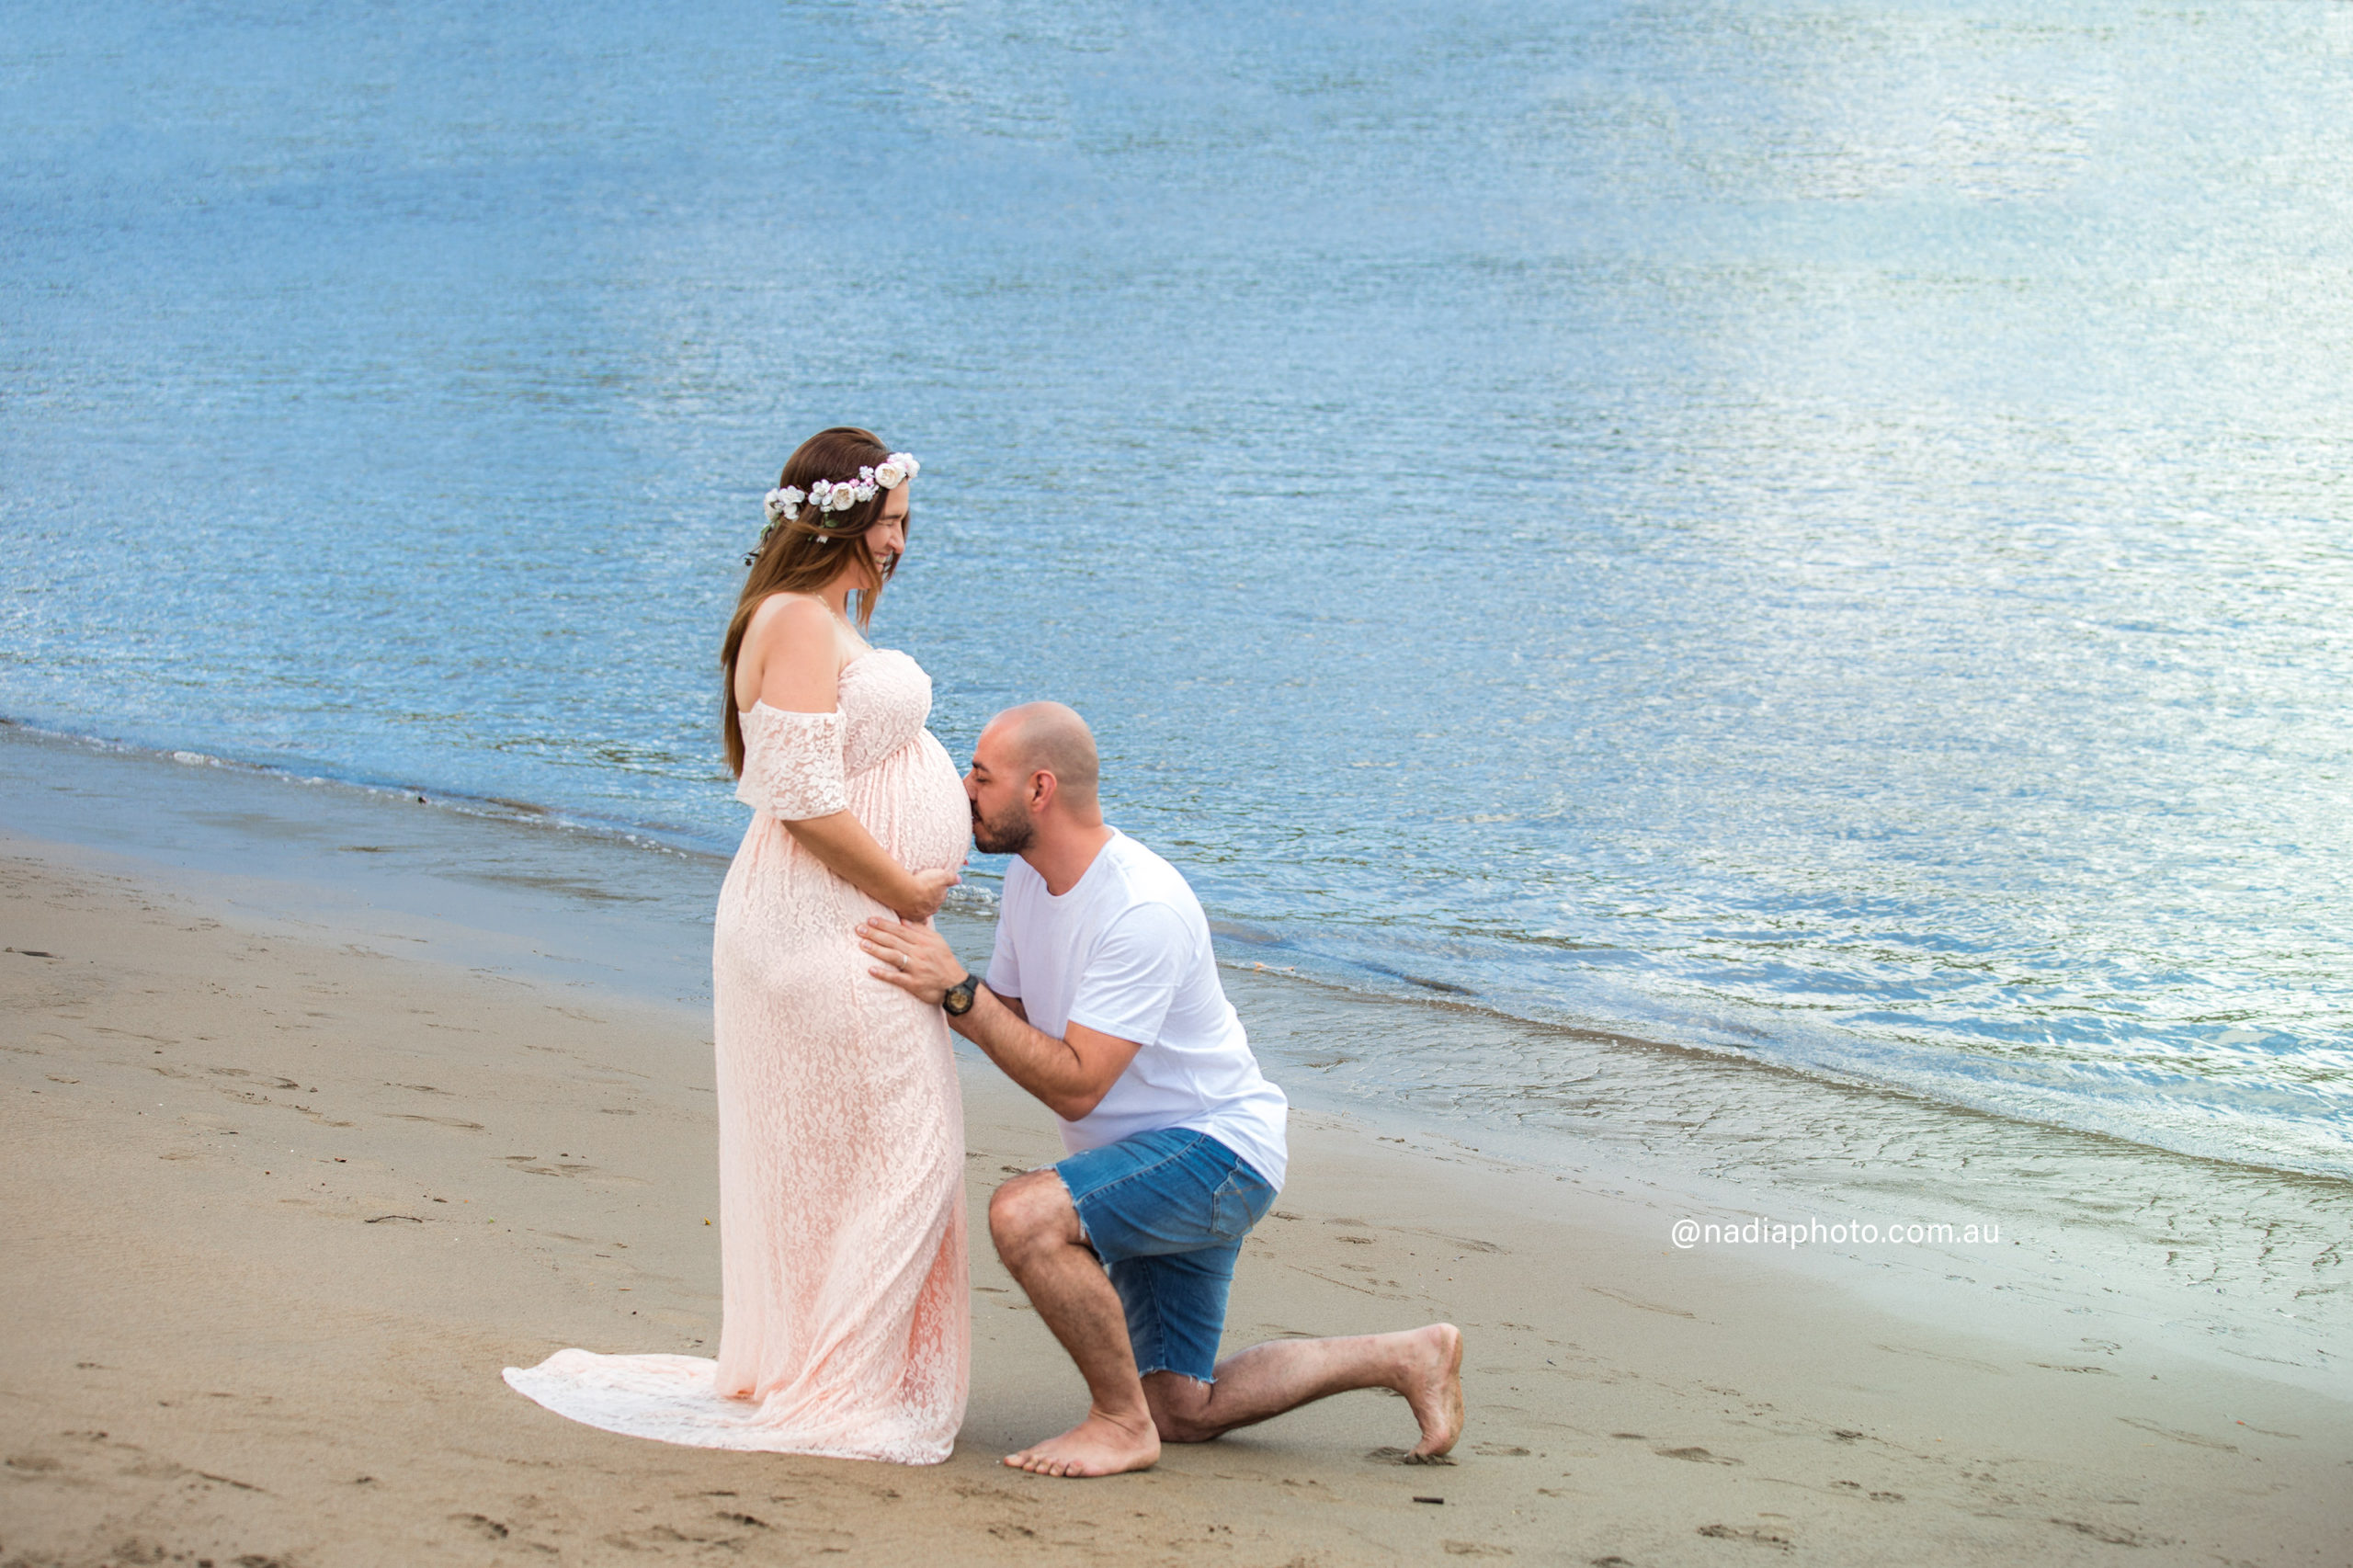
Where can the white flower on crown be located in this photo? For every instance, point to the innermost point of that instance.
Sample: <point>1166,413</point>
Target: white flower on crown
<point>784,503</point>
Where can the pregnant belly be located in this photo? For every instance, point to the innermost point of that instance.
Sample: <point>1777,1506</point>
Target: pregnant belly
<point>913,804</point>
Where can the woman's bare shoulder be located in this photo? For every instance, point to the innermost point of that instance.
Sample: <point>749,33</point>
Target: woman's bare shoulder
<point>792,653</point>
<point>789,624</point>
<point>794,612</point>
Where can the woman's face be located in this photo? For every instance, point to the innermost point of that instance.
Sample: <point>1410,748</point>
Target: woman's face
<point>886,537</point>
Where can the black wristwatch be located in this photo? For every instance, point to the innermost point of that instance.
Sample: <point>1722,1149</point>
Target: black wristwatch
<point>961,996</point>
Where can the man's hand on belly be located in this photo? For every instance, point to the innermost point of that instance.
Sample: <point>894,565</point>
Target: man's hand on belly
<point>916,958</point>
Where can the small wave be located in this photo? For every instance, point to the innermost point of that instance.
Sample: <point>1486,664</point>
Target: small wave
<point>639,835</point>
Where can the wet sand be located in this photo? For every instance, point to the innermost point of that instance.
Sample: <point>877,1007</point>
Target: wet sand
<point>278,1209</point>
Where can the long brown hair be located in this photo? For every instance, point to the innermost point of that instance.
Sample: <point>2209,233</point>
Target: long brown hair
<point>801,557</point>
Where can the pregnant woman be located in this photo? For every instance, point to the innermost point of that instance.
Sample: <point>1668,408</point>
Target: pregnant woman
<point>845,1329</point>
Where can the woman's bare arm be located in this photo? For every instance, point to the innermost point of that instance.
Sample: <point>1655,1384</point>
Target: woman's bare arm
<point>792,658</point>
<point>843,846</point>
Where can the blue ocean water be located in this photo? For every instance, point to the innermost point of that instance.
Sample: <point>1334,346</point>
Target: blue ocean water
<point>1818,531</point>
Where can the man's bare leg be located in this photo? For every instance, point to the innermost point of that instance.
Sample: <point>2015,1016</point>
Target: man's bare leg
<point>1038,1236</point>
<point>1423,1364</point>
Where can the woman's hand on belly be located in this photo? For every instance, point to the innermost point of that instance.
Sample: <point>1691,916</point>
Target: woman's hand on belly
<point>842,845</point>
<point>931,889</point>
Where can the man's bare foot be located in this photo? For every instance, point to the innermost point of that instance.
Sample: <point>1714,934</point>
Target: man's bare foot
<point>1434,1388</point>
<point>1100,1446</point>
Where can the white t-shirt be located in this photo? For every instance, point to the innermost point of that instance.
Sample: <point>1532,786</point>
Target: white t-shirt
<point>1126,951</point>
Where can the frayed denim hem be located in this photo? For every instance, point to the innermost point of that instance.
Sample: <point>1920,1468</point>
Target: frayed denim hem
<point>1148,1372</point>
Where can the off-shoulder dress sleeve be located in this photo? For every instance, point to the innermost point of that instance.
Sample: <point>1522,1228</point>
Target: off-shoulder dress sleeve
<point>792,764</point>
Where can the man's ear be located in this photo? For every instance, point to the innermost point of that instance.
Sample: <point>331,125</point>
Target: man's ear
<point>1043,785</point>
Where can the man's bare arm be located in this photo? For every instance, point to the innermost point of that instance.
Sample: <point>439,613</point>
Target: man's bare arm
<point>1070,1075</point>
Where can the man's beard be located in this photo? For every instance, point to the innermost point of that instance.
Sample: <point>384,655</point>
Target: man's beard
<point>1008,834</point>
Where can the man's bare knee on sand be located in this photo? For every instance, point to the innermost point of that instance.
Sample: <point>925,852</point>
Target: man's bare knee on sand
<point>1424,1365</point>
<point>1038,1233</point>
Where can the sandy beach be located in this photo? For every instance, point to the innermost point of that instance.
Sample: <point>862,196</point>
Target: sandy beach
<point>1725,608</point>
<point>278,1211</point>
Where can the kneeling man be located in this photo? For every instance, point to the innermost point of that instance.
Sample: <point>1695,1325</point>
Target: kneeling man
<point>1103,1001</point>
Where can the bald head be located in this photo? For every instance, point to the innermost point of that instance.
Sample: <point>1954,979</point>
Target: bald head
<point>1032,792</point>
<point>1045,737</point>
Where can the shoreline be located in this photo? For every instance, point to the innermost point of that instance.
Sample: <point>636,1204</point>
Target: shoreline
<point>1963,1087</point>
<point>2234,1263</point>
<point>286,1203</point>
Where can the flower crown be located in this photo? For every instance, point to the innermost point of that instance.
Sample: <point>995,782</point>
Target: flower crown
<point>785,501</point>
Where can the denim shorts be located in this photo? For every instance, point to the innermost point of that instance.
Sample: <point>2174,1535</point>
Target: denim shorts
<point>1166,1213</point>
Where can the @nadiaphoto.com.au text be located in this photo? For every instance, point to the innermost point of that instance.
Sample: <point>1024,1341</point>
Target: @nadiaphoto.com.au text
<point>1756,1231</point>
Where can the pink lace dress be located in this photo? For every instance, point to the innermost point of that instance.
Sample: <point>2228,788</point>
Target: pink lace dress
<point>846,1327</point>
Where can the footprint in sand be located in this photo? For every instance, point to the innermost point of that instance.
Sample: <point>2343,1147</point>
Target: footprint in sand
<point>2111,1535</point>
<point>267,1081</point>
<point>1742,1532</point>
<point>528,1164</point>
<point>1468,1244</point>
<point>2192,1439</point>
